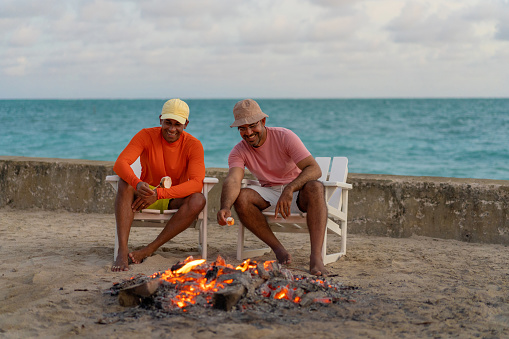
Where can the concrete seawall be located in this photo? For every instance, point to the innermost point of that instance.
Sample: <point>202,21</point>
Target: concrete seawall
<point>474,210</point>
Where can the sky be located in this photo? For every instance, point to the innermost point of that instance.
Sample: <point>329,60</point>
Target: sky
<point>254,48</point>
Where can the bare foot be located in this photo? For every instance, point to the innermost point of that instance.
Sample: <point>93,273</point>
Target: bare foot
<point>283,257</point>
<point>316,266</point>
<point>138,256</point>
<point>121,264</point>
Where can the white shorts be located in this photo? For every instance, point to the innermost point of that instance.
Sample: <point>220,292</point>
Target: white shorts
<point>272,194</point>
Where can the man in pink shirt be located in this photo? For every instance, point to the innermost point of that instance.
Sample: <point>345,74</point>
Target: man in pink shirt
<point>288,176</point>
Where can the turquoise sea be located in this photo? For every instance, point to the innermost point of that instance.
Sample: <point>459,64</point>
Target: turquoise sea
<point>466,138</point>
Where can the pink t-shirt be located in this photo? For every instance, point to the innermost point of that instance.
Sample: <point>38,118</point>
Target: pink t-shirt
<point>275,162</point>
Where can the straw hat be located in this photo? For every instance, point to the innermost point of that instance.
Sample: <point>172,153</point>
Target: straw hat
<point>247,112</point>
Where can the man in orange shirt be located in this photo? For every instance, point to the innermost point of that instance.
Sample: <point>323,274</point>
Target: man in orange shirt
<point>163,151</point>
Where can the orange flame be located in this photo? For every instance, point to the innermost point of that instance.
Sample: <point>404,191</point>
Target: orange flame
<point>189,266</point>
<point>247,264</point>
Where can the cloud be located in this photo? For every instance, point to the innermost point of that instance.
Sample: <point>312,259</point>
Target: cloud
<point>503,31</point>
<point>502,27</point>
<point>292,48</point>
<point>24,36</point>
<point>101,12</point>
<point>423,23</point>
<point>16,68</point>
<point>188,15</point>
<point>334,29</point>
<point>19,9</point>
<point>420,23</point>
<point>335,3</point>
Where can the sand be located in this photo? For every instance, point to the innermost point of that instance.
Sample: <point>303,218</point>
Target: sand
<point>55,266</point>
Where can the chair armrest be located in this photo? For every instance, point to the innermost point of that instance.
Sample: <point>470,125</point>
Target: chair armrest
<point>209,180</point>
<point>325,183</point>
<point>112,178</point>
<point>337,184</point>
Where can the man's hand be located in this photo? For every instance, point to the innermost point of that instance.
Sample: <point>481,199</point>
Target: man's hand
<point>222,215</point>
<point>284,203</point>
<point>146,197</point>
<point>143,189</point>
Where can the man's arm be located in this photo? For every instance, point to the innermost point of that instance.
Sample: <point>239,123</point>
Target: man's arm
<point>128,156</point>
<point>145,196</point>
<point>310,171</point>
<point>229,193</point>
<point>195,171</point>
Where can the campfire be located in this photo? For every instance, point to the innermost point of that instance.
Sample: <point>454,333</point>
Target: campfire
<point>221,286</point>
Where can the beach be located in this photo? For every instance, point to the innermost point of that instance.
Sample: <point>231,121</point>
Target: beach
<point>55,268</point>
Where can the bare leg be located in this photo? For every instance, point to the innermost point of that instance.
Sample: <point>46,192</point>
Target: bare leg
<point>249,205</point>
<point>312,201</point>
<point>188,210</point>
<point>124,217</point>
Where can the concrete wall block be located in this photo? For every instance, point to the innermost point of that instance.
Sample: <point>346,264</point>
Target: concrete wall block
<point>52,184</point>
<point>474,210</point>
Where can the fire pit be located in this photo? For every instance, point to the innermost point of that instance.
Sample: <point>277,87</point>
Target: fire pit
<point>193,284</point>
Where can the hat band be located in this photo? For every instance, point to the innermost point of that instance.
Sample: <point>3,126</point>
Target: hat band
<point>248,120</point>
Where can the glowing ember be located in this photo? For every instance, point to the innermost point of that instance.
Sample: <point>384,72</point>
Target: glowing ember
<point>323,300</point>
<point>196,282</point>
<point>283,294</point>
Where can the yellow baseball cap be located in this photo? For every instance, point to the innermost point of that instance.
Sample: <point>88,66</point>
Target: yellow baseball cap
<point>175,109</point>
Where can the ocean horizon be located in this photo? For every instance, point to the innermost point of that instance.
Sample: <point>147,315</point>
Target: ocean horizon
<point>442,137</point>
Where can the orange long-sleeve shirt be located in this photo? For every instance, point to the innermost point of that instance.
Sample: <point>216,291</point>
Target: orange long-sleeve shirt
<point>182,160</point>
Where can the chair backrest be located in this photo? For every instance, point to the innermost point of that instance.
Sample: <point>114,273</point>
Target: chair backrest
<point>338,172</point>
<point>136,166</point>
<point>324,163</point>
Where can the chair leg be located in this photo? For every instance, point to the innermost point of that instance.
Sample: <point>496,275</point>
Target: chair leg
<point>324,246</point>
<point>240,242</point>
<point>115,251</point>
<point>203,228</point>
<point>203,236</point>
<point>344,226</point>
<point>343,236</point>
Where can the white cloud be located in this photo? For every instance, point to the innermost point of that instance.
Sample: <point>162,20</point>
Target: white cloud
<point>20,9</point>
<point>449,22</point>
<point>102,12</point>
<point>256,48</point>
<point>420,23</point>
<point>330,4</point>
<point>16,68</point>
<point>502,25</point>
<point>24,36</point>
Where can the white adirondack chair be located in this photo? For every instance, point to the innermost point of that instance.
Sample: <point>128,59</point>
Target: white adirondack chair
<point>336,196</point>
<point>154,218</point>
